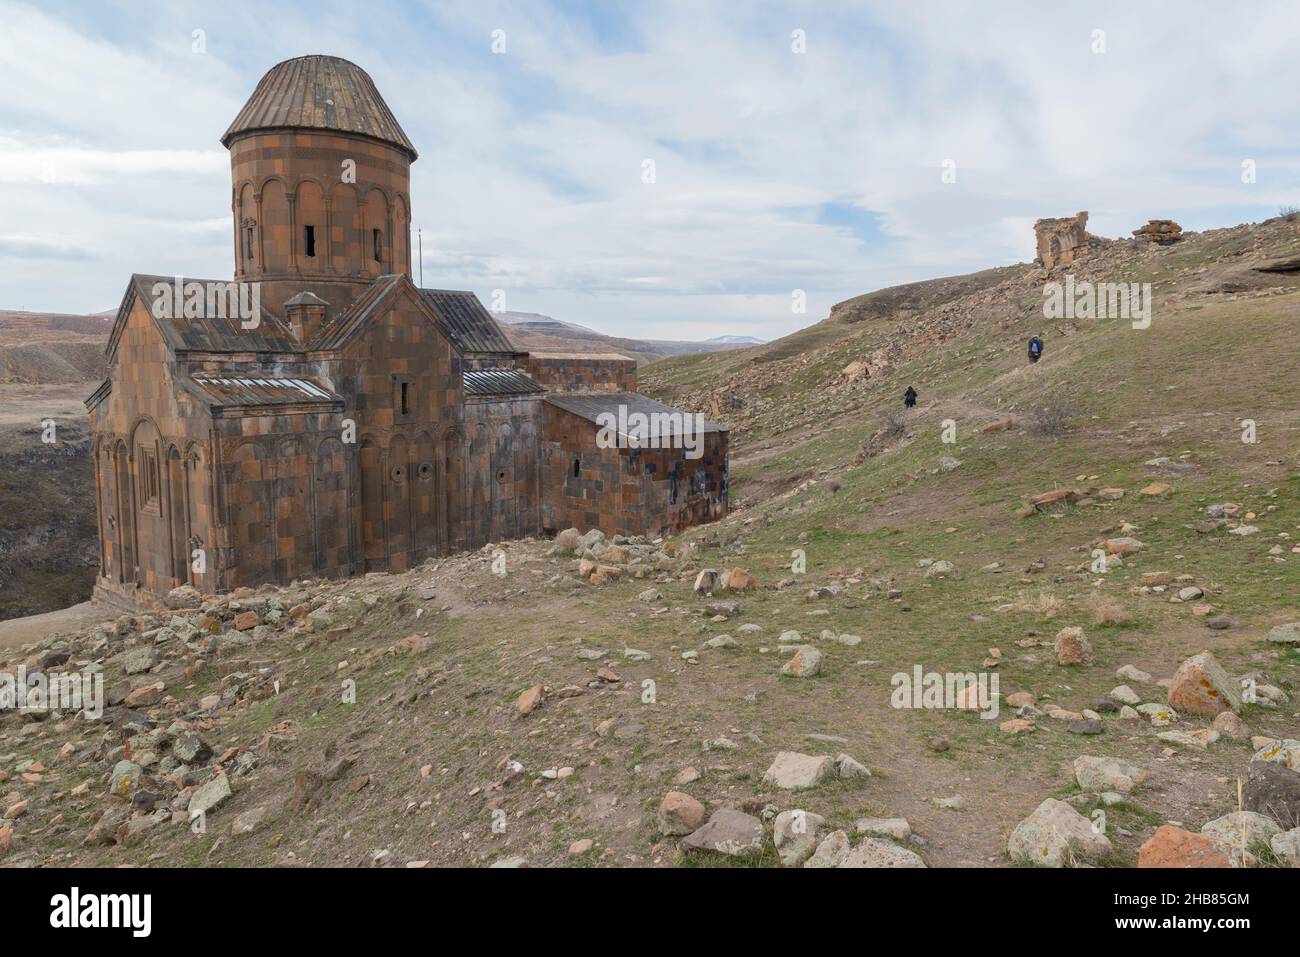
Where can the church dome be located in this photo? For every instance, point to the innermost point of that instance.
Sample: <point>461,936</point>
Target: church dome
<point>319,92</point>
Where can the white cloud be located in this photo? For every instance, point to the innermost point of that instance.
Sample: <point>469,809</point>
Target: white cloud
<point>529,177</point>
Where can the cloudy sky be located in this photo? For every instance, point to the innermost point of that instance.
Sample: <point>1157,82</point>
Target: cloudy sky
<point>795,146</point>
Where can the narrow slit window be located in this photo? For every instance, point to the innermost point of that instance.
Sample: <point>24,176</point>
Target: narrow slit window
<point>309,240</point>
<point>377,236</point>
<point>405,410</point>
<point>577,464</point>
<point>248,243</point>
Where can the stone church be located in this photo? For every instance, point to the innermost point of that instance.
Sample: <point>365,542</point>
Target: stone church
<point>321,415</point>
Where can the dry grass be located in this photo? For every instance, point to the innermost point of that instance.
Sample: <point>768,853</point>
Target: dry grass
<point>1044,605</point>
<point>1108,611</point>
<point>1053,418</point>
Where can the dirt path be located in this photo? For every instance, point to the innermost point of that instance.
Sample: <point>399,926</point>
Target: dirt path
<point>19,631</point>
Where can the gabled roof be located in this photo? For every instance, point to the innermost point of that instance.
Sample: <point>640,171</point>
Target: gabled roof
<point>99,395</point>
<point>206,334</point>
<point>468,324</point>
<point>318,92</point>
<point>591,406</point>
<point>369,303</point>
<point>499,382</point>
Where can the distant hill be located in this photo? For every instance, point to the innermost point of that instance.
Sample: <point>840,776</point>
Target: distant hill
<point>538,333</point>
<point>49,348</point>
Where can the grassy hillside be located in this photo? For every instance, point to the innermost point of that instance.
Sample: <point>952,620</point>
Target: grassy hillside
<point>433,754</point>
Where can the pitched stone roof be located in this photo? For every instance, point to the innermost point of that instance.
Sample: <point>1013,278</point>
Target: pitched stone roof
<point>319,92</point>
<point>220,331</point>
<point>467,322</point>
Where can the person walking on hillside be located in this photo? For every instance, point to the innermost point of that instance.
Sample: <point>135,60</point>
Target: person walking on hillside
<point>909,397</point>
<point>1035,349</point>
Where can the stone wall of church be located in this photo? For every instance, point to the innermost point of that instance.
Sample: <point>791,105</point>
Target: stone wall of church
<point>502,468</point>
<point>152,449</point>
<point>651,492</point>
<point>558,372</point>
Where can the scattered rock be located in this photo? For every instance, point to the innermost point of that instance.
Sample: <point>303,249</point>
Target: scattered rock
<point>895,828</point>
<point>1200,686</point>
<point>1056,835</point>
<point>1073,647</point>
<point>210,795</point>
<point>1288,634</point>
<point>806,663</point>
<point>1172,846</point>
<point>831,852</point>
<point>679,813</point>
<point>792,771</point>
<point>528,701</point>
<point>728,832</point>
<point>874,852</point>
<point>1107,774</point>
<point>795,835</point>
<point>1273,790</point>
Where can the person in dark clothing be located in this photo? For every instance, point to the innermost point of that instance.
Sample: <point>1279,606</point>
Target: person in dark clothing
<point>1035,349</point>
<point>909,397</point>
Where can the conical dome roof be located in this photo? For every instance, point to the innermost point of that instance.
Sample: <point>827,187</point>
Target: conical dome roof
<point>319,92</point>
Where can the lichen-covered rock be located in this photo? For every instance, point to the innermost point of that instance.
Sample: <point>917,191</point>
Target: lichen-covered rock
<point>1246,830</point>
<point>1073,647</point>
<point>1172,846</point>
<point>1056,835</point>
<point>1288,634</point>
<point>1107,774</point>
<point>877,852</point>
<point>795,835</point>
<point>806,663</point>
<point>1200,686</point>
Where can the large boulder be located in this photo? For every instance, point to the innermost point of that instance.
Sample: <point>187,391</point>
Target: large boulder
<point>806,663</point>
<point>792,771</point>
<point>1073,647</point>
<point>679,813</point>
<point>1273,789</point>
<point>706,582</point>
<point>877,852</point>
<point>1286,847</point>
<point>1107,774</point>
<point>795,835</point>
<point>210,795</point>
<point>1200,686</point>
<point>1288,634</point>
<point>738,579</point>
<point>1243,830</point>
<point>1056,835</point>
<point>831,852</point>
<point>1172,846</point>
<point>1285,752</point>
<point>729,832</point>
